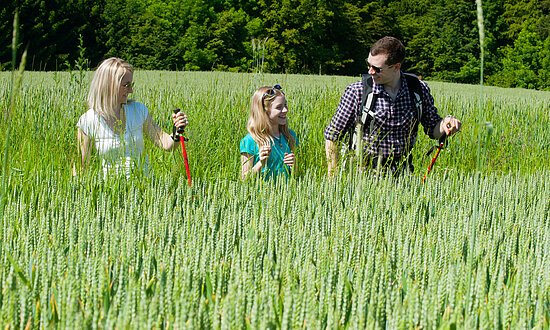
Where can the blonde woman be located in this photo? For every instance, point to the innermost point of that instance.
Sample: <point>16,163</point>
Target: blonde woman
<point>114,125</point>
<point>268,149</point>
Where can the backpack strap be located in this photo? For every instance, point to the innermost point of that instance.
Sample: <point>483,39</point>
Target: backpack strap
<point>415,91</point>
<point>366,116</point>
<point>368,100</point>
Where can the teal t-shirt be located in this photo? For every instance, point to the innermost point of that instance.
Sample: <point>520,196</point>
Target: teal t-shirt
<point>275,165</point>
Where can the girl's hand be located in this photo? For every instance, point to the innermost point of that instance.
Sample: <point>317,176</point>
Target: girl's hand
<point>289,159</point>
<point>180,119</point>
<point>265,151</point>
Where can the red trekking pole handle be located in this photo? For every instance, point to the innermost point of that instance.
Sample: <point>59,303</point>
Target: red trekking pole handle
<point>177,135</point>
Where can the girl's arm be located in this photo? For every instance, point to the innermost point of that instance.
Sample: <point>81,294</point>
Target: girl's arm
<point>247,161</point>
<point>248,166</point>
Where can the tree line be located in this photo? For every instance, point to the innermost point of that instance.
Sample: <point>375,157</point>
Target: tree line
<point>287,36</point>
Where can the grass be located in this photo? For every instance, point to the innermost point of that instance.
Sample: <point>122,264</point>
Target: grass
<point>353,252</point>
<point>217,103</point>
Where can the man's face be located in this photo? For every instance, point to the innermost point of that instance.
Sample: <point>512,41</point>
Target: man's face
<point>380,72</point>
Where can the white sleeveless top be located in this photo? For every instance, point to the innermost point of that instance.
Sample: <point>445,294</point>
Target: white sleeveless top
<point>118,152</point>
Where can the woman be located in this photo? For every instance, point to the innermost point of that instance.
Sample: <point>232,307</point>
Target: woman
<point>269,147</point>
<point>114,125</point>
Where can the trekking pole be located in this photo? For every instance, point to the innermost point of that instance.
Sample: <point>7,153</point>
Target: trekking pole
<point>177,135</point>
<point>438,147</point>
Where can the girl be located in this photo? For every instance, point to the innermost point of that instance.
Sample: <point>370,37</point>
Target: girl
<point>269,147</point>
<point>114,125</point>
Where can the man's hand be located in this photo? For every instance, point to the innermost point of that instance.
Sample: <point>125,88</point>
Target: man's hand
<point>447,126</point>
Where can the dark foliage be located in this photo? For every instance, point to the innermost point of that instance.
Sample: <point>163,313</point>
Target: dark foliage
<point>293,36</point>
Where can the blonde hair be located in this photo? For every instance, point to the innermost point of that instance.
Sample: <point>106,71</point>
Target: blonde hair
<point>103,94</point>
<point>259,122</point>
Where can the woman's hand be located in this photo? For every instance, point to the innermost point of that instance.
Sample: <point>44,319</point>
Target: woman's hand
<point>289,159</point>
<point>180,119</point>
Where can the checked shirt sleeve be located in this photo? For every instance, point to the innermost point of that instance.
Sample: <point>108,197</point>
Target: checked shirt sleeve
<point>430,117</point>
<point>345,115</point>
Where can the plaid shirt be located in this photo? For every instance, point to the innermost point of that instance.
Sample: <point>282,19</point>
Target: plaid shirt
<point>394,121</point>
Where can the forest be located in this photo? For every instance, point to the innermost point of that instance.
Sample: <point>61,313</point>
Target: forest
<point>327,37</point>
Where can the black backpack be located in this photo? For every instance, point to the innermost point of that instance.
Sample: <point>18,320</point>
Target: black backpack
<point>368,100</point>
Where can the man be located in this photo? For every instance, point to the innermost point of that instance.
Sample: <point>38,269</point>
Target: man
<point>394,132</point>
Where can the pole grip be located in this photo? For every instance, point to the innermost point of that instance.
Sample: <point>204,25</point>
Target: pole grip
<point>179,130</point>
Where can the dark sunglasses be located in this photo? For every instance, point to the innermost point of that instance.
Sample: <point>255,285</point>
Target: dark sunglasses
<point>270,93</point>
<point>377,69</point>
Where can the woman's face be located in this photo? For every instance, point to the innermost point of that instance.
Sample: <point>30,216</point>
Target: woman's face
<point>125,87</point>
<point>278,110</point>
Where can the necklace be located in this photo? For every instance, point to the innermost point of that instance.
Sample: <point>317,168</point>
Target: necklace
<point>278,140</point>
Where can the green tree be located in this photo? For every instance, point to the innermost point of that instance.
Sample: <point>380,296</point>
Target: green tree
<point>230,41</point>
<point>116,29</point>
<point>304,37</point>
<point>455,46</point>
<point>51,30</point>
<point>294,36</point>
<point>523,63</point>
<point>524,55</point>
<point>151,39</point>
<point>195,28</point>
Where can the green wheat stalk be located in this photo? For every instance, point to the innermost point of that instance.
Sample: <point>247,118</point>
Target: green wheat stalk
<point>15,85</point>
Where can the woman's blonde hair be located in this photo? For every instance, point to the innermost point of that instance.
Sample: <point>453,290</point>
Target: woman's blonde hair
<point>103,94</point>
<point>259,123</point>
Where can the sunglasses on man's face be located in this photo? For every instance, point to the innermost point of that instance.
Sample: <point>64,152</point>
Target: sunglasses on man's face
<point>270,93</point>
<point>378,69</point>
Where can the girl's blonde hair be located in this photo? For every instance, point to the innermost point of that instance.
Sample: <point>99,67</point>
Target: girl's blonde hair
<point>259,123</point>
<point>103,94</point>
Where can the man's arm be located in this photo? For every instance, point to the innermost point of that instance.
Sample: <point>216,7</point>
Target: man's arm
<point>341,122</point>
<point>430,118</point>
<point>331,149</point>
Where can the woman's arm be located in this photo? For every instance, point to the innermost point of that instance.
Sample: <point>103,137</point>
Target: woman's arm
<point>158,136</point>
<point>85,146</point>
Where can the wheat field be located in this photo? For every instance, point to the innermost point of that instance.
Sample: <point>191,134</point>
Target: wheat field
<point>468,249</point>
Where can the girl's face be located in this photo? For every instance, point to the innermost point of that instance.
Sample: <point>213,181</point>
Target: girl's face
<point>126,86</point>
<point>278,110</point>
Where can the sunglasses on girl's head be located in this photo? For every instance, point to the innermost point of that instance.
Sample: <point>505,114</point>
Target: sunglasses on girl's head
<point>270,93</point>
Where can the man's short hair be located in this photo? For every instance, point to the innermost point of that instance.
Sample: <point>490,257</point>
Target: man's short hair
<point>390,46</point>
